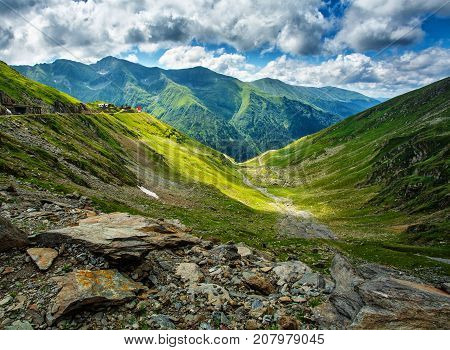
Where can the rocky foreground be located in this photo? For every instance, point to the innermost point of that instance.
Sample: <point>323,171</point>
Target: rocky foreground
<point>75,268</point>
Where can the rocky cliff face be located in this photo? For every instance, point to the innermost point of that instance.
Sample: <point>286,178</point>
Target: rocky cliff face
<point>30,105</point>
<point>83,269</point>
<point>409,158</point>
<point>375,297</point>
<point>61,107</point>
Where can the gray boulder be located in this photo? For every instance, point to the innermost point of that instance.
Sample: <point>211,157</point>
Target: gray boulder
<point>290,271</point>
<point>376,297</point>
<point>226,252</point>
<point>311,279</point>
<point>401,304</point>
<point>120,236</point>
<point>189,272</point>
<point>11,236</point>
<point>345,297</point>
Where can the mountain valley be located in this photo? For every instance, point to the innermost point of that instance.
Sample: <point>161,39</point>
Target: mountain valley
<point>277,241</point>
<point>237,118</point>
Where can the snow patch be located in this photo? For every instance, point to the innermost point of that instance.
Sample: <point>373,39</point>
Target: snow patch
<point>148,192</point>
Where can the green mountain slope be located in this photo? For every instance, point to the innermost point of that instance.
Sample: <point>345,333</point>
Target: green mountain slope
<point>176,105</point>
<point>107,156</point>
<point>25,91</point>
<point>379,179</point>
<point>333,174</point>
<point>330,99</point>
<point>213,108</point>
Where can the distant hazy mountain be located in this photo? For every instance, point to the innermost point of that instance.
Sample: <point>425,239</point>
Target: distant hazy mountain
<point>333,100</point>
<point>240,119</point>
<point>382,99</point>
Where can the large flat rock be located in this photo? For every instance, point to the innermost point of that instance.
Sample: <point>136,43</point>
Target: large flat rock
<point>91,288</point>
<point>392,303</point>
<point>120,235</point>
<point>375,297</point>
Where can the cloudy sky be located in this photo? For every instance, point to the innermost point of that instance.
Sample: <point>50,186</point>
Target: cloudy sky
<point>378,47</point>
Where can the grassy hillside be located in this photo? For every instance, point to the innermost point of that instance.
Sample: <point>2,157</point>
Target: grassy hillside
<point>269,122</point>
<point>231,116</point>
<point>379,178</point>
<point>106,157</point>
<point>24,90</point>
<point>176,105</point>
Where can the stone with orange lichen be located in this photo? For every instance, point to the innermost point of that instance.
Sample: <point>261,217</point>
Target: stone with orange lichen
<point>121,236</point>
<point>42,257</point>
<point>91,288</point>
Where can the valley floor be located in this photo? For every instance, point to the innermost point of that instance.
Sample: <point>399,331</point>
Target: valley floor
<point>313,222</point>
<point>293,222</point>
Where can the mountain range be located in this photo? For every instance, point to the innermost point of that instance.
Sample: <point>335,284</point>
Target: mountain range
<point>240,119</point>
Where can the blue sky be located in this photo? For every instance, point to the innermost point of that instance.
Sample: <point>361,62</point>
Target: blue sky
<point>377,47</point>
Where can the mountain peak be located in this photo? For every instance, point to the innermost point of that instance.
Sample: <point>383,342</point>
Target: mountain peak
<point>108,59</point>
<point>201,68</point>
<point>271,80</point>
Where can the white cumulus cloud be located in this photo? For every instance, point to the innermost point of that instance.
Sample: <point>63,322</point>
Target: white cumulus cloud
<point>132,58</point>
<point>235,65</point>
<point>388,76</point>
<point>41,31</point>
<point>376,24</point>
<point>91,29</point>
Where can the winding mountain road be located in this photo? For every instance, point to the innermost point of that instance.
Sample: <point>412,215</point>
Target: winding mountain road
<point>293,222</point>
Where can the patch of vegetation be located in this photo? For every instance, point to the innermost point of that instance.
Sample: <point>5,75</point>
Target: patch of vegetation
<point>106,156</point>
<point>314,302</point>
<point>67,268</point>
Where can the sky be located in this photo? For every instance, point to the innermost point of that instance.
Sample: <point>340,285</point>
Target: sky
<point>381,48</point>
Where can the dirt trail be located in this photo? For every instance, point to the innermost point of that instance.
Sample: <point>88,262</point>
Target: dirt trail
<point>293,222</point>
